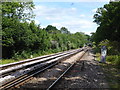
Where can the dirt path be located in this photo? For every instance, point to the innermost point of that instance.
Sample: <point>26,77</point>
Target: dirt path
<point>91,76</point>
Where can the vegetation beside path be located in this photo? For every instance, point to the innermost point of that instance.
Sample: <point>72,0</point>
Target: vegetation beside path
<point>23,38</point>
<point>111,71</point>
<point>108,34</point>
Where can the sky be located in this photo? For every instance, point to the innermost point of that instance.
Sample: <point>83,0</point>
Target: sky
<point>75,16</point>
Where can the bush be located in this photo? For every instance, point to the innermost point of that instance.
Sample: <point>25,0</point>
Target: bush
<point>112,47</point>
<point>16,56</point>
<point>25,55</point>
<point>117,60</point>
<point>96,49</point>
<point>114,59</point>
<point>110,58</point>
<point>22,55</point>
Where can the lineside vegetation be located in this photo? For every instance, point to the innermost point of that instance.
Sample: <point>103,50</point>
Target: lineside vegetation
<point>108,34</point>
<point>108,31</point>
<point>21,40</point>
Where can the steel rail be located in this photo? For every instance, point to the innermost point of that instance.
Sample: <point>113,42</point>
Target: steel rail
<point>57,80</point>
<point>34,67</point>
<point>12,77</point>
<point>23,78</point>
<point>7,86</point>
<point>59,77</point>
<point>34,62</point>
<point>29,60</point>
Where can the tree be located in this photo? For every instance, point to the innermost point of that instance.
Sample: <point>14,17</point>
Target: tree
<point>108,19</point>
<point>16,10</point>
<point>64,30</point>
<point>20,38</point>
<point>52,29</point>
<point>15,31</point>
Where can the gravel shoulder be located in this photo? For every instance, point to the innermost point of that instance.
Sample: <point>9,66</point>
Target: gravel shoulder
<point>90,77</point>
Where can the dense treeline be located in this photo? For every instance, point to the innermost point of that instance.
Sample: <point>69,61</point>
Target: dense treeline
<point>108,19</point>
<point>21,39</point>
<point>108,31</point>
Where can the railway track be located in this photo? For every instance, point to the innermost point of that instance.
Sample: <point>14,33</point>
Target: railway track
<point>30,62</point>
<point>62,75</point>
<point>2,67</point>
<point>38,65</point>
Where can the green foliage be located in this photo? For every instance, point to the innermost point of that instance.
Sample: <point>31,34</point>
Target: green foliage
<point>108,32</point>
<point>117,61</point>
<point>15,10</point>
<point>64,30</point>
<point>112,73</point>
<point>96,49</point>
<point>6,61</point>
<point>110,58</point>
<point>112,47</point>
<point>51,29</point>
<point>108,19</point>
<point>114,59</point>
<point>21,40</point>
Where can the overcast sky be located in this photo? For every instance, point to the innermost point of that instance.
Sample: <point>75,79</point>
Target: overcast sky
<point>76,16</point>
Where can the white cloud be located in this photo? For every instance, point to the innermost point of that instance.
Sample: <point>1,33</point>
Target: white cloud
<point>64,17</point>
<point>73,9</point>
<point>46,11</point>
<point>82,15</point>
<point>52,18</point>
<point>77,26</point>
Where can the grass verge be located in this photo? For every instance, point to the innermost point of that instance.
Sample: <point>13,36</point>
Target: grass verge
<point>6,61</point>
<point>112,73</point>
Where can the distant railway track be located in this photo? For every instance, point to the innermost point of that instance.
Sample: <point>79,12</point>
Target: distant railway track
<point>31,68</point>
<point>29,60</point>
<point>26,63</point>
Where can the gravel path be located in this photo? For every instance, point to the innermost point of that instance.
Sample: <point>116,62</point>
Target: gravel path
<point>79,77</point>
<point>90,76</point>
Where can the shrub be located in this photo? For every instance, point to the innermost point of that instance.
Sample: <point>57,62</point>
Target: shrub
<point>112,47</point>
<point>117,60</point>
<point>16,56</point>
<point>22,55</point>
<point>25,55</point>
<point>96,49</point>
<point>110,58</point>
<point>114,59</point>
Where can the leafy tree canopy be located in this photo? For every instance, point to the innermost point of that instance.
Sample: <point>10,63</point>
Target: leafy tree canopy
<point>20,38</point>
<point>108,19</point>
<point>64,30</point>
